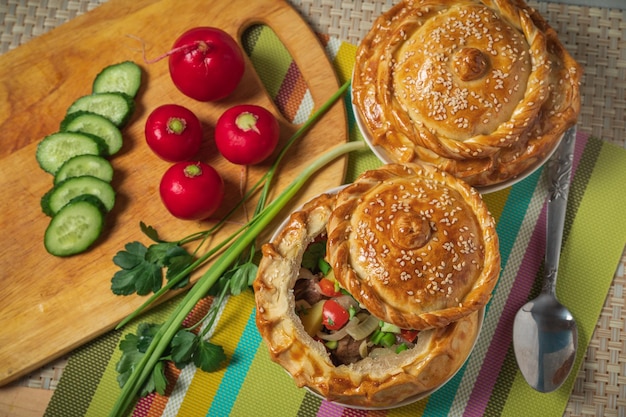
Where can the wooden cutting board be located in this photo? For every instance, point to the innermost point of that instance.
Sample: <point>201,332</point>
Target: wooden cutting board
<point>50,305</point>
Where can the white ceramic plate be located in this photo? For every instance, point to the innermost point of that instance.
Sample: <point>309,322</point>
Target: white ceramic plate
<point>386,158</point>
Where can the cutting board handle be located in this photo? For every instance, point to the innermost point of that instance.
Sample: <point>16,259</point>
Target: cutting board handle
<point>35,84</point>
<point>298,38</point>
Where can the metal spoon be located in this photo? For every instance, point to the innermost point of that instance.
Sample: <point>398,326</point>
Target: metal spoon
<point>545,336</point>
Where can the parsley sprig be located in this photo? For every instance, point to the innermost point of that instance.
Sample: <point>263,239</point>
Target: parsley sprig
<point>142,363</point>
<point>142,267</point>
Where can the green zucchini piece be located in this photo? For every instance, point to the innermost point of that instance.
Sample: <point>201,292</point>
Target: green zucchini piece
<point>55,149</point>
<point>62,193</point>
<point>117,107</point>
<point>75,227</point>
<point>79,165</point>
<point>124,77</point>
<point>95,124</point>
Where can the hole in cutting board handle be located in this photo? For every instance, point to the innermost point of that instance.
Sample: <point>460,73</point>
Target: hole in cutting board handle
<point>278,72</point>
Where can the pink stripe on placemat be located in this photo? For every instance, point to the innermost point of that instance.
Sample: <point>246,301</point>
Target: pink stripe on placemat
<point>328,409</point>
<point>518,296</point>
<point>291,92</point>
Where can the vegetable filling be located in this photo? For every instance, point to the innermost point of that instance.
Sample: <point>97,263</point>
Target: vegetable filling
<point>331,315</point>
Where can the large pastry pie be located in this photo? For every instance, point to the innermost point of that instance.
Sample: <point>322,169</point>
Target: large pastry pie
<point>416,246</point>
<point>483,89</point>
<point>414,256</point>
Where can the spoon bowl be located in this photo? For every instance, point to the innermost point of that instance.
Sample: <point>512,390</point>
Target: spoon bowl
<point>545,336</point>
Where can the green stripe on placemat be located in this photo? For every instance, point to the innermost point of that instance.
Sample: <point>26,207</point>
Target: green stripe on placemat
<point>266,377</point>
<point>263,45</point>
<point>86,365</point>
<point>365,159</point>
<point>310,404</point>
<point>77,391</point>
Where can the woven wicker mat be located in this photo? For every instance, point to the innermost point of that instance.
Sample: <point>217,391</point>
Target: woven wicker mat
<point>597,39</point>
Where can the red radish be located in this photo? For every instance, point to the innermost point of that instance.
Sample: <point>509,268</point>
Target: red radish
<point>246,134</point>
<point>191,190</point>
<point>173,132</point>
<point>206,64</point>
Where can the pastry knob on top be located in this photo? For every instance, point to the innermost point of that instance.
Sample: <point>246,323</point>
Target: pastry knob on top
<point>470,64</point>
<point>414,245</point>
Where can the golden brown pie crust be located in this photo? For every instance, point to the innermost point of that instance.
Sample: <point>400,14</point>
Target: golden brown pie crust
<point>372,382</point>
<point>481,89</point>
<point>416,246</point>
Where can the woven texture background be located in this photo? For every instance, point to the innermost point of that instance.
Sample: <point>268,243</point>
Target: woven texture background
<point>597,39</point>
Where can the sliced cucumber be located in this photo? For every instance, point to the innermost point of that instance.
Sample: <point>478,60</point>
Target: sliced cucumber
<point>62,193</point>
<point>55,149</point>
<point>124,77</point>
<point>117,107</point>
<point>95,124</point>
<point>80,165</point>
<point>75,227</point>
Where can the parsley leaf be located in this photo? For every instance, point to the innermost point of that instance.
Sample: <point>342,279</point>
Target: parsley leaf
<point>188,347</point>
<point>242,277</point>
<point>150,232</point>
<point>208,356</point>
<point>236,279</point>
<point>150,279</point>
<point>159,253</point>
<point>134,254</point>
<point>130,357</point>
<point>157,381</point>
<point>133,348</point>
<point>183,346</point>
<point>176,265</point>
<point>142,267</point>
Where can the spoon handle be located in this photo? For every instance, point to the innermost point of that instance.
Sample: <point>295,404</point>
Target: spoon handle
<point>559,170</point>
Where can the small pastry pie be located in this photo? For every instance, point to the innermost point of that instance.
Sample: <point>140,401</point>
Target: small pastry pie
<point>482,89</point>
<point>327,338</point>
<point>416,246</point>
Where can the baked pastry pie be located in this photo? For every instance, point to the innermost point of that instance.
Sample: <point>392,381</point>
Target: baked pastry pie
<point>481,89</point>
<point>356,364</point>
<point>416,246</point>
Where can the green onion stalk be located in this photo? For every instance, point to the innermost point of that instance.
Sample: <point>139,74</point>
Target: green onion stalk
<point>244,239</point>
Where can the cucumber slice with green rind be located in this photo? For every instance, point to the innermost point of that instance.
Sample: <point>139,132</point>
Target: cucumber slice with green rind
<point>75,227</point>
<point>124,77</point>
<point>62,193</point>
<point>95,124</point>
<point>80,165</point>
<point>117,107</point>
<point>55,149</point>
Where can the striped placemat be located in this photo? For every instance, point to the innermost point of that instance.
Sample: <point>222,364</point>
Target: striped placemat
<point>489,383</point>
<point>596,37</point>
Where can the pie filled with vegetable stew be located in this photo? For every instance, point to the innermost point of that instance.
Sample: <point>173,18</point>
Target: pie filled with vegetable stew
<point>373,295</point>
